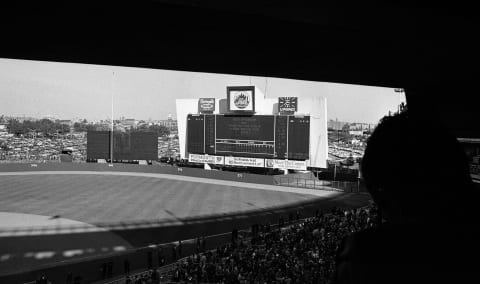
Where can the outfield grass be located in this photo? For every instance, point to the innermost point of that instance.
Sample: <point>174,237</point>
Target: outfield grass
<point>105,198</point>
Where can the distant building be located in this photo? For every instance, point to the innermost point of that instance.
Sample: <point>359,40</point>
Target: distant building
<point>130,122</point>
<point>355,132</point>
<point>170,124</point>
<point>50,117</point>
<point>335,124</point>
<point>65,121</point>
<point>22,118</point>
<point>362,126</point>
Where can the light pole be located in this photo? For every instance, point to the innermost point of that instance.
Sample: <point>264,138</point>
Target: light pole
<point>111,138</point>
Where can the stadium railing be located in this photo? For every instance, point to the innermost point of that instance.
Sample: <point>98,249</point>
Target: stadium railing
<point>343,186</point>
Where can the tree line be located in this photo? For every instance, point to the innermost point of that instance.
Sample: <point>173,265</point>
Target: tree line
<point>49,128</point>
<point>43,126</point>
<point>83,127</point>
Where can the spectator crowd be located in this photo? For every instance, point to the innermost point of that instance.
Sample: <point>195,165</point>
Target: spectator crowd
<point>300,253</point>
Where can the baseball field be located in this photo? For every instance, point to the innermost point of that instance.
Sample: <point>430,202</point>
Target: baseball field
<point>49,217</point>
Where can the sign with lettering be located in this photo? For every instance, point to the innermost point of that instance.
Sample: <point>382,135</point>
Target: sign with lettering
<point>206,159</point>
<point>206,105</point>
<point>241,99</point>
<point>289,164</point>
<point>287,105</point>
<point>245,162</point>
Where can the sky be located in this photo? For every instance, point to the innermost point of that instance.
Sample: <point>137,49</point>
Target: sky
<point>70,91</point>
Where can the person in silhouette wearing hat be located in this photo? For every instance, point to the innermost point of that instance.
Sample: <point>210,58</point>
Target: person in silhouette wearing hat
<point>418,176</point>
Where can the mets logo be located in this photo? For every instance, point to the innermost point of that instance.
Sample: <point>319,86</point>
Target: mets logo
<point>241,101</point>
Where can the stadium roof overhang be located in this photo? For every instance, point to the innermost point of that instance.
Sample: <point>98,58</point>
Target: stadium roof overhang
<point>426,50</point>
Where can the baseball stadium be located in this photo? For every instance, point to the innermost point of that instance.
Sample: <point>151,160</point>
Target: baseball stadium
<point>190,142</point>
<point>97,221</point>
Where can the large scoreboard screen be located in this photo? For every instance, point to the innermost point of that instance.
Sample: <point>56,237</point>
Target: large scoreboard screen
<point>245,135</point>
<point>259,136</point>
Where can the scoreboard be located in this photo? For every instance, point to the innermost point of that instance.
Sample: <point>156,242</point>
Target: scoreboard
<point>258,136</point>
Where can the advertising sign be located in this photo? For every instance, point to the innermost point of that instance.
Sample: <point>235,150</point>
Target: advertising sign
<point>287,105</point>
<point>202,159</point>
<point>241,99</point>
<point>206,105</point>
<point>297,165</point>
<point>245,162</point>
<point>289,164</point>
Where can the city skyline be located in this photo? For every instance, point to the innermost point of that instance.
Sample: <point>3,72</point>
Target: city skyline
<point>76,91</point>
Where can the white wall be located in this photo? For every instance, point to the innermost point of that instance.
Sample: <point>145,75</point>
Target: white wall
<point>316,107</point>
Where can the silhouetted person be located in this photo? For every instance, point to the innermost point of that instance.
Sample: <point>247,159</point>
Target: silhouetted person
<point>204,243</point>
<point>418,176</point>
<point>126,266</point>
<point>161,259</point>
<point>42,280</point>
<point>110,269</point>
<point>150,260</point>
<point>179,248</point>
<point>77,280</point>
<point>198,246</point>
<point>174,252</point>
<point>69,278</point>
<point>103,270</point>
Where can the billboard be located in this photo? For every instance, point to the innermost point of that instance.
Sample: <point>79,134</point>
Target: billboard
<point>287,105</point>
<point>126,146</point>
<point>202,159</point>
<point>289,164</point>
<point>206,105</point>
<point>241,100</point>
<point>98,145</point>
<point>244,162</point>
<point>138,145</point>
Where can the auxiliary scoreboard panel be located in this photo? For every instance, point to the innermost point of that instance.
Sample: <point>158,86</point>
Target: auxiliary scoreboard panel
<point>259,136</point>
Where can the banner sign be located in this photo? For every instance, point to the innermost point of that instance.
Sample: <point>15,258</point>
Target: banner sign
<point>289,164</point>
<point>287,104</point>
<point>241,99</point>
<point>206,105</point>
<point>206,159</point>
<point>245,162</point>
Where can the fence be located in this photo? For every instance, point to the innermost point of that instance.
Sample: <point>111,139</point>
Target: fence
<point>343,186</point>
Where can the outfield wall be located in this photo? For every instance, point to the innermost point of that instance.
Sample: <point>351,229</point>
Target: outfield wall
<point>192,172</point>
